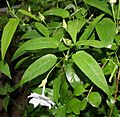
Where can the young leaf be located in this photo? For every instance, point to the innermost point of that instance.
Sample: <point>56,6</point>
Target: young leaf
<point>100,5</point>
<point>42,29</point>
<point>28,14</point>
<point>4,68</point>
<point>35,44</point>
<point>106,30</point>
<point>94,99</point>
<point>90,28</point>
<point>91,69</point>
<point>7,35</point>
<point>38,67</point>
<point>61,111</point>
<point>57,12</point>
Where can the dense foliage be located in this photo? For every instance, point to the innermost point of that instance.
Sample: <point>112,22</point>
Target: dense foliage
<point>66,52</point>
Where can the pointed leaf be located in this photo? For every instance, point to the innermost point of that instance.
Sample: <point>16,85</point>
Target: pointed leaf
<point>7,35</point>
<point>6,102</point>
<point>91,69</point>
<point>28,14</point>
<point>57,12</point>
<point>93,43</point>
<point>38,67</point>
<point>102,5</point>
<point>35,44</point>
<point>90,28</point>
<point>106,30</point>
<point>4,68</point>
<point>42,29</point>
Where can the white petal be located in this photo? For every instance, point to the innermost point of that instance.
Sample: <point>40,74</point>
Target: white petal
<point>35,102</point>
<point>44,103</point>
<point>34,95</point>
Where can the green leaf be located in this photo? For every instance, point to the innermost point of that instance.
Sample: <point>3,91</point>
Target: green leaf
<point>31,34</point>
<point>61,112</point>
<point>93,43</point>
<point>73,27</point>
<point>106,30</point>
<point>91,69</point>
<point>4,68</point>
<point>38,67</point>
<point>6,102</point>
<point>90,28</point>
<point>35,44</point>
<point>28,14</point>
<point>57,12</point>
<point>94,99</point>
<point>7,35</point>
<point>2,91</point>
<point>42,29</point>
<point>56,87</point>
<point>102,5</point>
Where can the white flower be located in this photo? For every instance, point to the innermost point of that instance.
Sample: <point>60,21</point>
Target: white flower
<point>112,1</point>
<point>40,99</point>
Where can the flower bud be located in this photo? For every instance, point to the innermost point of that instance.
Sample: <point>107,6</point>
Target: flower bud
<point>112,1</point>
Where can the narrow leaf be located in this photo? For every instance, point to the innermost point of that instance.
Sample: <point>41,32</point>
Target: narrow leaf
<point>90,28</point>
<point>35,44</point>
<point>91,69</point>
<point>106,30</point>
<point>6,102</point>
<point>4,68</point>
<point>42,29</point>
<point>38,67</point>
<point>7,35</point>
<point>28,14</point>
<point>102,5</point>
<point>57,12</point>
<point>93,43</point>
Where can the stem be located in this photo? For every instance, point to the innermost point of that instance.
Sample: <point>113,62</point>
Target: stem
<point>118,14</point>
<point>115,97</point>
<point>89,92</point>
<point>113,12</point>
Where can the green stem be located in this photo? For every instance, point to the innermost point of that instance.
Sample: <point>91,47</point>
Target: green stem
<point>118,14</point>
<point>113,12</point>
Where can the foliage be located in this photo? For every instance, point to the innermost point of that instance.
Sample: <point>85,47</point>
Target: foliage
<point>66,50</point>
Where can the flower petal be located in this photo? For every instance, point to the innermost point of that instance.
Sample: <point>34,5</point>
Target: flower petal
<point>35,102</point>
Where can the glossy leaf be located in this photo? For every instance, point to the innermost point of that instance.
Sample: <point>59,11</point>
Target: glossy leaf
<point>27,14</point>
<point>4,68</point>
<point>94,99</point>
<point>38,67</point>
<point>57,12</point>
<point>91,69</point>
<point>106,34</point>
<point>90,28</point>
<point>7,35</point>
<point>35,44</point>
<point>102,5</point>
<point>42,29</point>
